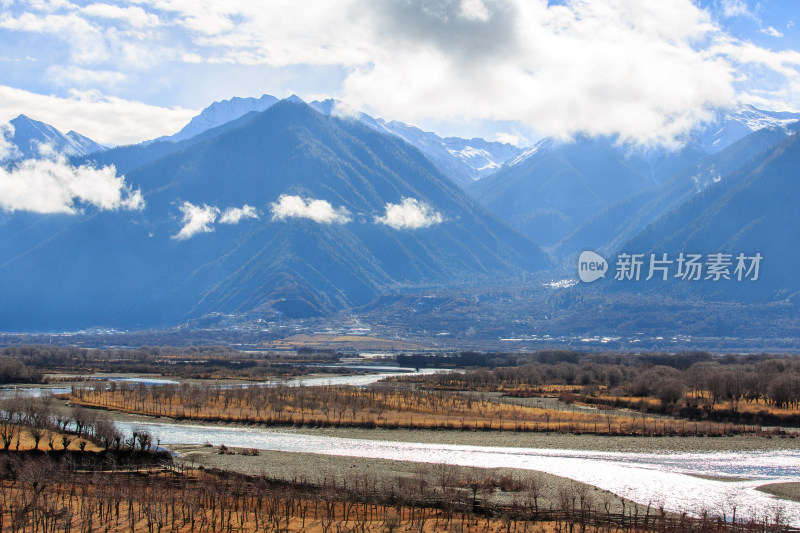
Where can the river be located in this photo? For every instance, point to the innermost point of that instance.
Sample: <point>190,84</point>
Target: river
<point>667,480</point>
<point>660,479</point>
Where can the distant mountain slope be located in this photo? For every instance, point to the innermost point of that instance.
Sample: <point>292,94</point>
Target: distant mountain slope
<point>128,269</point>
<point>31,137</point>
<point>462,160</point>
<point>549,191</point>
<point>606,231</point>
<point>753,210</point>
<point>555,189</point>
<point>220,113</point>
<point>130,157</point>
<point>731,125</point>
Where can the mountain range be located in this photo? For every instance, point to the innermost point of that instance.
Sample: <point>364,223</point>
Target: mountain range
<point>31,139</point>
<point>555,191</point>
<point>609,229</point>
<point>278,206</point>
<point>462,160</point>
<point>751,211</point>
<point>285,210</point>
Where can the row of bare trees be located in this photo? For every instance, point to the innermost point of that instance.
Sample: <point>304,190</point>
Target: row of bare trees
<point>29,363</point>
<point>333,404</point>
<point>40,495</point>
<point>772,381</point>
<point>51,425</point>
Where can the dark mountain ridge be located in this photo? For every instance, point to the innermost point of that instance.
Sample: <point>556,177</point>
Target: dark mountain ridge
<point>127,269</point>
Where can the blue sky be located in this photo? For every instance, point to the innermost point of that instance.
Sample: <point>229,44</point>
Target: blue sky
<point>515,70</point>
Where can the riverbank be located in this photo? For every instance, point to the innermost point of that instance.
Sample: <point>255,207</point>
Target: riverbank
<point>559,440</point>
<point>506,439</point>
<point>326,470</point>
<point>784,491</point>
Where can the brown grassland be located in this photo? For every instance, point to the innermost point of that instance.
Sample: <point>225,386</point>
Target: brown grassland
<point>23,440</point>
<point>385,407</point>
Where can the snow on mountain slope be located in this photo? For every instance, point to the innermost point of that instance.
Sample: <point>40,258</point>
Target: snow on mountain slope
<point>733,124</point>
<point>543,146</point>
<point>462,160</point>
<point>30,139</point>
<point>220,113</point>
<point>727,127</point>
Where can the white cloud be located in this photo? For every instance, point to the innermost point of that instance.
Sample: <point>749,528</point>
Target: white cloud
<point>735,8</point>
<point>96,34</point>
<point>772,32</point>
<point>276,33</point>
<point>196,219</point>
<point>233,215</point>
<point>320,211</point>
<point>509,138</point>
<point>133,15</point>
<point>640,69</point>
<point>474,10</point>
<point>8,149</point>
<point>410,213</point>
<point>53,186</point>
<point>70,76</point>
<point>648,70</point>
<point>201,218</point>
<point>106,119</point>
<point>785,62</point>
<point>86,42</point>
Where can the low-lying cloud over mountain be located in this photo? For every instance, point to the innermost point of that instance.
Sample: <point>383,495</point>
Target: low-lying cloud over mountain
<point>197,219</point>
<point>234,215</point>
<point>52,185</point>
<point>410,214</point>
<point>320,211</point>
<point>8,150</point>
<point>348,214</point>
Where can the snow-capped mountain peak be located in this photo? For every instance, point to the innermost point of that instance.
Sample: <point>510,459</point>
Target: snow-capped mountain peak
<point>730,125</point>
<point>542,146</point>
<point>463,160</point>
<point>31,139</point>
<point>220,113</point>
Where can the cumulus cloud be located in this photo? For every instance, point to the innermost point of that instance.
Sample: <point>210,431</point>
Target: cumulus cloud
<point>772,32</point>
<point>509,138</point>
<point>85,40</point>
<point>410,213</point>
<point>8,149</point>
<point>637,69</point>
<point>646,70</point>
<point>196,219</point>
<point>735,8</point>
<point>234,215</point>
<point>133,15</point>
<point>202,218</point>
<point>53,186</point>
<point>320,211</point>
<point>474,10</point>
